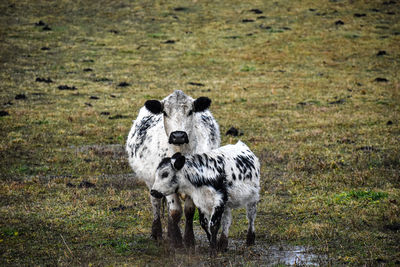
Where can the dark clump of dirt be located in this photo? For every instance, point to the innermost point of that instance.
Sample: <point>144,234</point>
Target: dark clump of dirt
<point>381,80</point>
<point>381,53</point>
<point>86,184</point>
<point>40,23</point>
<point>196,84</point>
<point>105,113</point>
<point>87,69</point>
<point>121,208</point>
<point>247,20</point>
<point>114,31</point>
<point>94,97</point>
<point>46,28</point>
<point>102,79</point>
<point>88,104</point>
<point>181,8</point>
<point>43,80</point>
<point>359,15</point>
<point>20,97</point>
<point>4,113</point>
<point>234,132</point>
<point>66,87</point>
<point>83,184</point>
<point>123,84</point>
<point>339,22</point>
<point>256,11</point>
<point>346,141</point>
<point>393,227</point>
<point>45,48</point>
<point>368,149</point>
<point>118,116</point>
<point>339,101</point>
<point>389,122</point>
<point>69,184</point>
<point>169,42</point>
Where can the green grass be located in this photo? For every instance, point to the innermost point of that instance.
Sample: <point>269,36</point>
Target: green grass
<point>301,89</point>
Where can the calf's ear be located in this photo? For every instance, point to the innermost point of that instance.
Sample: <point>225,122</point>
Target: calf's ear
<point>178,161</point>
<point>154,106</point>
<point>202,103</point>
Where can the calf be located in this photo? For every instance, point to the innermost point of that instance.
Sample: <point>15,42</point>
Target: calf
<point>178,123</point>
<point>217,181</point>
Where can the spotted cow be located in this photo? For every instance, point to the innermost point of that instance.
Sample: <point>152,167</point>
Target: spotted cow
<point>178,123</point>
<point>217,181</point>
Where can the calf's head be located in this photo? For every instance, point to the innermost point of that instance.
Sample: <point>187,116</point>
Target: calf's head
<point>166,182</point>
<point>178,110</point>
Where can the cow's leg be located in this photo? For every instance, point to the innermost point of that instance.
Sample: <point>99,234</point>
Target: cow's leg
<point>251,216</point>
<point>215,223</point>
<point>174,216</point>
<point>226,223</point>
<point>156,230</point>
<point>204,224</point>
<point>188,237</point>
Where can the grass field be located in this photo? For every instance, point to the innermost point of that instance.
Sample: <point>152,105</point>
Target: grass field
<point>313,85</point>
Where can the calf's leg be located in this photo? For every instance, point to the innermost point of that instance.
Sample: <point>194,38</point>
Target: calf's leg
<point>215,223</point>
<point>204,224</point>
<point>156,230</point>
<point>174,216</point>
<point>226,222</point>
<point>188,236</point>
<point>251,216</point>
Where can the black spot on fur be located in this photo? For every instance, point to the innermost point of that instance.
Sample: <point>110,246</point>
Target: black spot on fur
<point>209,124</point>
<point>141,131</point>
<point>164,162</point>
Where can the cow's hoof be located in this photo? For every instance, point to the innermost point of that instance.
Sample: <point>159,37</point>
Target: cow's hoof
<point>222,243</point>
<point>250,240</point>
<point>188,240</point>
<point>156,230</point>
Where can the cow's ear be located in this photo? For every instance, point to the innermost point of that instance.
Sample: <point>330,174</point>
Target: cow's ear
<point>202,103</point>
<point>154,106</point>
<point>178,161</point>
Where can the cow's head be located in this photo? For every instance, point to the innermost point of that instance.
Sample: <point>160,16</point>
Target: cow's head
<point>166,182</point>
<point>178,110</point>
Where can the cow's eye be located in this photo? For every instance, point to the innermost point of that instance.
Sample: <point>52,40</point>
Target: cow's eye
<point>165,114</point>
<point>190,112</point>
<point>164,175</point>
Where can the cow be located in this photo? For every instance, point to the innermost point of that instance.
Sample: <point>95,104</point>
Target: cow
<point>178,123</point>
<point>217,181</point>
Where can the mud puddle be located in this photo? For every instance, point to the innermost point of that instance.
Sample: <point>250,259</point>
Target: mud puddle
<point>261,254</point>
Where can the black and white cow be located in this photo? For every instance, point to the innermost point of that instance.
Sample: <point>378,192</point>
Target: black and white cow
<point>178,123</point>
<point>217,181</point>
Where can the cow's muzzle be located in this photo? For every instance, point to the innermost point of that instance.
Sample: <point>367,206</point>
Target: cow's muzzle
<point>178,138</point>
<point>156,194</point>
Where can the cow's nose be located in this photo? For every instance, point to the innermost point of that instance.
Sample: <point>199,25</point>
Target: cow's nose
<point>156,194</point>
<point>178,138</point>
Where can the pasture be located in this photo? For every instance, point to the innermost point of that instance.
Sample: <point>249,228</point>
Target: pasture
<point>313,88</point>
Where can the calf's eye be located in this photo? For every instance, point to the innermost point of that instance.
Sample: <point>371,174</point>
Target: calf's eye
<point>164,175</point>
